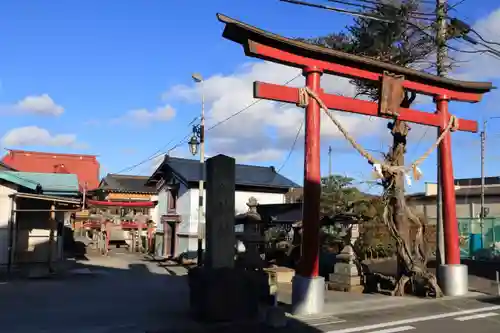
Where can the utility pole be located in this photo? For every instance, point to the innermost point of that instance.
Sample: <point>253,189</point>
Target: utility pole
<point>329,163</point>
<point>482,213</point>
<point>441,11</point>
<point>483,153</point>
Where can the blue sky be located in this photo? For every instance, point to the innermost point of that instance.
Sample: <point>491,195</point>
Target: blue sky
<point>114,73</point>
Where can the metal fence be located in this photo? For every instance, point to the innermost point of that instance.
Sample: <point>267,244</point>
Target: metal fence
<point>477,236</point>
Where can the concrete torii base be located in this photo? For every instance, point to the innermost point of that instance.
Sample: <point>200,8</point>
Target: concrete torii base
<point>454,279</point>
<point>308,295</point>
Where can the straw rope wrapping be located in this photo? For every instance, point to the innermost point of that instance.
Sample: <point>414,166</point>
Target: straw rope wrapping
<point>304,94</point>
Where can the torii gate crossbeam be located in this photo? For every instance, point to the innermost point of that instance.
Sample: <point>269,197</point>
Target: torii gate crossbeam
<point>308,287</point>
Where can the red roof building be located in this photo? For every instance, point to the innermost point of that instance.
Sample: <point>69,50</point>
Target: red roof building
<point>86,167</point>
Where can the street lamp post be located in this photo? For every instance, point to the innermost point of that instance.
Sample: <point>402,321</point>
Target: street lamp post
<point>198,139</point>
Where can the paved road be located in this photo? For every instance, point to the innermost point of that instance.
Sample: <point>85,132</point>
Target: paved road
<point>124,294</point>
<point>129,295</point>
<point>458,316</point>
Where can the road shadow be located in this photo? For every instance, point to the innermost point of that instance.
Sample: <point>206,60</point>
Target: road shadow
<point>482,268</point>
<point>119,291</point>
<point>493,300</point>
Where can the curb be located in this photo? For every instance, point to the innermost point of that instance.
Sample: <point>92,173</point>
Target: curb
<point>390,302</point>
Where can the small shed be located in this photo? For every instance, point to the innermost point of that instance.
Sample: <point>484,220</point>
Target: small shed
<point>34,208</point>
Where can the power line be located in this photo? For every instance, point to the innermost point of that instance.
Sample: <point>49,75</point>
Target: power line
<point>232,115</point>
<point>362,4</point>
<point>374,2</point>
<point>481,38</point>
<point>292,148</point>
<point>344,11</point>
<point>381,19</point>
<point>153,156</point>
<point>162,150</point>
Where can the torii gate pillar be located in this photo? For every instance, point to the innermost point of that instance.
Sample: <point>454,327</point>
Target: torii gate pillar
<point>453,277</point>
<point>308,288</point>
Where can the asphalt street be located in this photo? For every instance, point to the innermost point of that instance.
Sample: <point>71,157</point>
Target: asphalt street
<point>463,315</point>
<point>126,294</point>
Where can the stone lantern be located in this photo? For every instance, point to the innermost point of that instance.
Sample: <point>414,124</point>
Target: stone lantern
<point>346,275</point>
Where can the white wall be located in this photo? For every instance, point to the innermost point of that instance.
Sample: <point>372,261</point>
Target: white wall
<point>156,212</point>
<point>187,207</point>
<point>241,199</point>
<point>5,215</point>
<point>184,204</point>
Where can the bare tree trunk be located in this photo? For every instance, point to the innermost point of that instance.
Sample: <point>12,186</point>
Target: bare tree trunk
<point>412,274</point>
<point>399,132</point>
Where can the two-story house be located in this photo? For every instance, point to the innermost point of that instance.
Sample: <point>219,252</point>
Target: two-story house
<point>176,180</point>
<point>468,196</point>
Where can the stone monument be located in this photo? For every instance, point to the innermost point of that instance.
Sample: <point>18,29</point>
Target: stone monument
<point>219,291</point>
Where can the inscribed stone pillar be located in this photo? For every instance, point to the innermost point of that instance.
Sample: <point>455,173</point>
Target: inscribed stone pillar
<point>220,212</point>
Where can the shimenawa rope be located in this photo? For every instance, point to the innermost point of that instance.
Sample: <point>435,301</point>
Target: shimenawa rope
<point>304,94</point>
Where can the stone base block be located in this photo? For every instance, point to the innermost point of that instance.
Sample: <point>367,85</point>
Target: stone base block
<point>345,279</point>
<point>345,269</point>
<point>281,274</point>
<point>345,287</point>
<point>226,294</point>
<point>346,283</point>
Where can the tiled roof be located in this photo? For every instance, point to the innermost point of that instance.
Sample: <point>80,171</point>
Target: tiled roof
<point>126,183</point>
<point>86,167</point>
<point>246,175</point>
<point>51,183</point>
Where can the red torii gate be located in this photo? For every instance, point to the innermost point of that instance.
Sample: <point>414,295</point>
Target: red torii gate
<point>314,61</point>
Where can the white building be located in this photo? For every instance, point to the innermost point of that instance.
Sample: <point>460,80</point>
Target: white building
<point>176,217</point>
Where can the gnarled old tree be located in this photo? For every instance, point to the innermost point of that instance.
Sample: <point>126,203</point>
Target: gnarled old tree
<point>406,41</point>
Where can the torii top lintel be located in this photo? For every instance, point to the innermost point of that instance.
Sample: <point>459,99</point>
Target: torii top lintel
<point>268,46</point>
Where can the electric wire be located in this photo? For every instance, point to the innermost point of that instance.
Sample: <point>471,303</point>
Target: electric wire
<point>217,124</point>
<point>482,38</point>
<point>292,148</point>
<point>344,11</point>
<point>363,5</point>
<point>163,149</point>
<point>153,156</point>
<point>381,19</point>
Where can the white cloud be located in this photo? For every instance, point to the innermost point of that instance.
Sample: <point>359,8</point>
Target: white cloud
<point>145,116</point>
<point>36,136</point>
<point>39,104</point>
<point>267,129</point>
